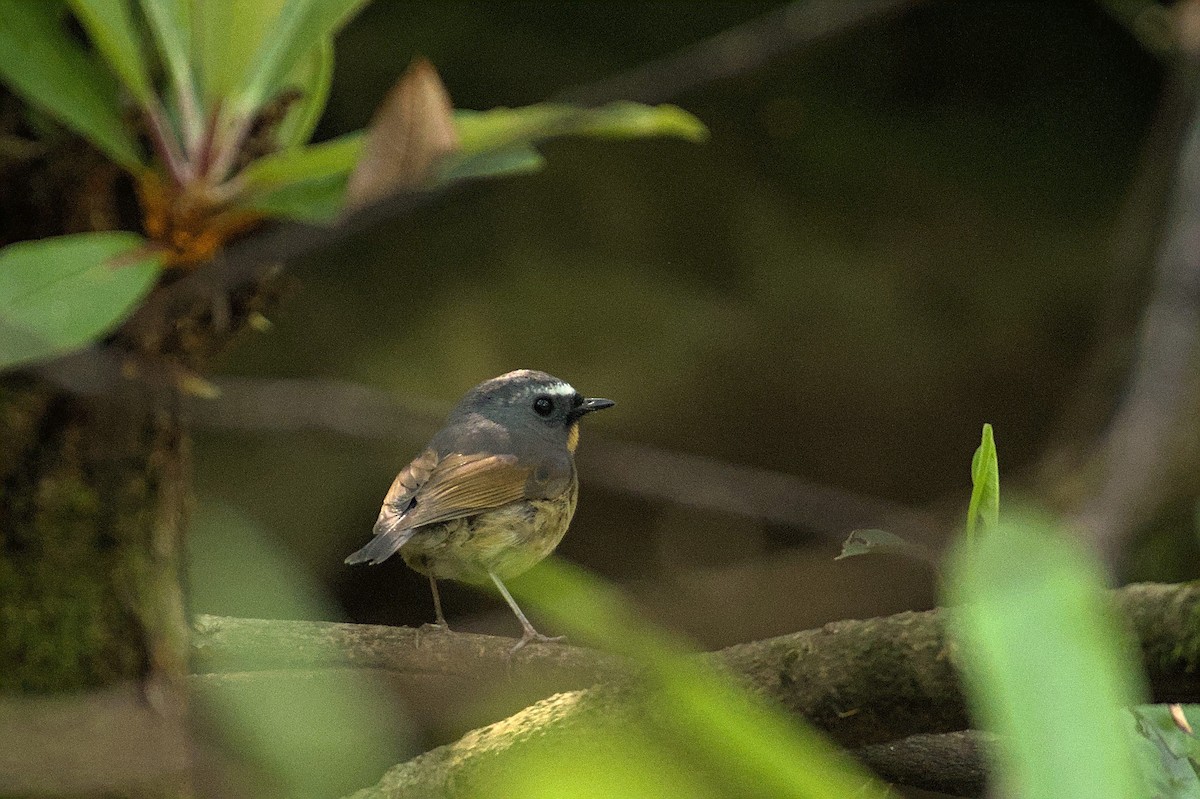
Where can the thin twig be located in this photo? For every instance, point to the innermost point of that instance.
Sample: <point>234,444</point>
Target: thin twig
<point>291,405</point>
<point>738,50</point>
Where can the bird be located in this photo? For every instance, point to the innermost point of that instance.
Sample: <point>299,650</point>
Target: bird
<point>493,492</point>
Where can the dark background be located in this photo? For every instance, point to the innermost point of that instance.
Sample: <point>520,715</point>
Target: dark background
<point>891,238</point>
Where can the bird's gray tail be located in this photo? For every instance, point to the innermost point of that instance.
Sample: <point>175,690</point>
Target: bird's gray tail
<point>381,547</point>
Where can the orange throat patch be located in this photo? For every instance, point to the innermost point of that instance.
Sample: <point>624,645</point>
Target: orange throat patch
<point>573,437</point>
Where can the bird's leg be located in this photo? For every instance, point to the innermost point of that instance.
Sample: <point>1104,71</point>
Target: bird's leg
<point>437,604</point>
<point>529,633</point>
<point>440,625</point>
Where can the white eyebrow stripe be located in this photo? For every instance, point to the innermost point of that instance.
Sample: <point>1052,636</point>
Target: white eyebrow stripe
<point>560,389</point>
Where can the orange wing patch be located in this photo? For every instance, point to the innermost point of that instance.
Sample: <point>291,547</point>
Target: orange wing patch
<point>463,485</point>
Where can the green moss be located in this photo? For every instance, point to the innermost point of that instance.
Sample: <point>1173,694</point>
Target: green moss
<point>86,597</point>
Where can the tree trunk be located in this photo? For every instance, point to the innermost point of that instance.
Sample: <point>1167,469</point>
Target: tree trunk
<point>92,509</point>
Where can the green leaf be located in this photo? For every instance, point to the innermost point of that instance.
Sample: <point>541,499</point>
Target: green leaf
<point>985,486</point>
<point>737,738</point>
<point>313,77</point>
<point>110,26</point>
<point>1169,756</point>
<point>881,542</point>
<point>58,294</point>
<point>1045,664</point>
<point>226,34</point>
<point>306,183</point>
<point>516,160</point>
<point>42,64</point>
<point>171,22</point>
<point>303,183</point>
<point>300,27</point>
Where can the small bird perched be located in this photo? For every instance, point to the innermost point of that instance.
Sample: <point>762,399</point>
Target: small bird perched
<point>493,492</point>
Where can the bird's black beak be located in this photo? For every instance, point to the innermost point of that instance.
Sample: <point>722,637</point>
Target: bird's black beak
<point>593,404</point>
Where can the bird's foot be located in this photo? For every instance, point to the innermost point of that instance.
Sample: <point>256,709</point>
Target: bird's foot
<point>533,636</point>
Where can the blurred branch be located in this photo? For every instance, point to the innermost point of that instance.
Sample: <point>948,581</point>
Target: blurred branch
<point>952,763</point>
<point>1130,261</point>
<point>1137,446</point>
<point>743,48</point>
<point>290,405</point>
<point>863,681</point>
<point>120,740</point>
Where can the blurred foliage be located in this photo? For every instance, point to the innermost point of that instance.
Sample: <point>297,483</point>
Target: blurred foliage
<point>304,733</point>
<point>1046,664</point>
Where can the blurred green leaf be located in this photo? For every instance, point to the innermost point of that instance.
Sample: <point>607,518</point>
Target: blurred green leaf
<point>313,77</point>
<point>43,65</point>
<point>985,486</point>
<point>171,23</point>
<point>1169,756</point>
<point>299,28</point>
<point>226,35</point>
<point>597,764</point>
<point>110,26</point>
<point>749,747</point>
<point>881,542</point>
<point>324,732</point>
<point>499,128</point>
<point>516,160</point>
<point>303,183</point>
<point>306,183</point>
<point>60,293</point>
<point>1045,665</point>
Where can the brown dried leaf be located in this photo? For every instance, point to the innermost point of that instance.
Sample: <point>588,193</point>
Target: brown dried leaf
<point>1180,720</point>
<point>411,131</point>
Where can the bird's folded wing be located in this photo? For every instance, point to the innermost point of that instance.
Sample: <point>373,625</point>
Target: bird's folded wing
<point>456,486</point>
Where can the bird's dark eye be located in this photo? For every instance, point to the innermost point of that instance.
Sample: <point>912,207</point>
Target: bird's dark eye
<point>542,406</point>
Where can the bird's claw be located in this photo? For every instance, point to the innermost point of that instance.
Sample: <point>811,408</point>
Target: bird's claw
<point>430,627</point>
<point>533,636</point>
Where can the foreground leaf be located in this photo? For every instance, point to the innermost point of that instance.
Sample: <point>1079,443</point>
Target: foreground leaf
<point>43,65</point>
<point>61,293</point>
<point>715,728</point>
<point>1045,665</point>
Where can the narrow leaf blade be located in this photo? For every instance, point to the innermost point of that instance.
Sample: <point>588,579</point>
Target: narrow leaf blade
<point>985,485</point>
<point>61,293</point>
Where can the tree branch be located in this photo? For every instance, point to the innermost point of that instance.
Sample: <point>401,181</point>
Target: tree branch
<point>738,50</point>
<point>844,678</point>
<point>862,682</point>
